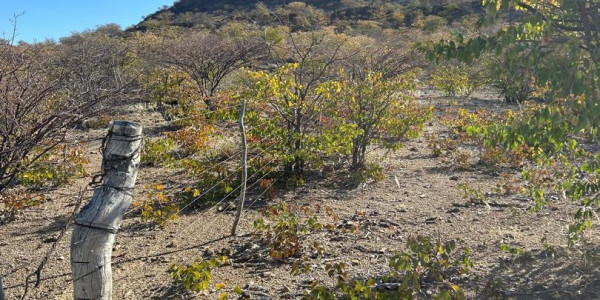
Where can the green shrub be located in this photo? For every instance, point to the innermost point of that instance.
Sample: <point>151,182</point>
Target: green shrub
<point>433,23</point>
<point>157,207</point>
<point>453,81</point>
<point>55,168</point>
<point>424,261</point>
<point>283,230</point>
<point>368,172</point>
<point>158,152</point>
<point>197,276</point>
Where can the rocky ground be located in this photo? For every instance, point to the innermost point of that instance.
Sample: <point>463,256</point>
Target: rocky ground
<point>418,196</point>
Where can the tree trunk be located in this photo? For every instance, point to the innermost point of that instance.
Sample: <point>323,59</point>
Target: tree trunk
<point>97,223</point>
<point>298,160</point>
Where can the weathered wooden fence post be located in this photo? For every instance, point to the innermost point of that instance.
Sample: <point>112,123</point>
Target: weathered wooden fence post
<point>97,223</point>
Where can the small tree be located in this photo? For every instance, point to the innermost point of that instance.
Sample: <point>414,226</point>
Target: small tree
<point>207,58</point>
<point>383,111</point>
<point>296,106</point>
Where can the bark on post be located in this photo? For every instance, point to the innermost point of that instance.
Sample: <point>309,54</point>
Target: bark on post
<point>242,196</point>
<point>97,223</point>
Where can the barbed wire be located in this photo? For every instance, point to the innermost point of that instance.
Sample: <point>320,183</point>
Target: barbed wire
<point>261,194</point>
<point>225,198</point>
<point>233,173</point>
<point>198,218</point>
<point>214,166</point>
<point>223,162</point>
<point>252,185</point>
<point>199,196</point>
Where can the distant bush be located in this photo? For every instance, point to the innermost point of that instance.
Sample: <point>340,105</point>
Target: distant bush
<point>433,24</point>
<point>515,82</point>
<point>454,80</point>
<point>99,122</point>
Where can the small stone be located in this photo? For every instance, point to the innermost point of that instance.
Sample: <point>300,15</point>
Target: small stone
<point>431,220</point>
<point>422,196</point>
<point>351,224</point>
<point>337,238</point>
<point>208,252</point>
<point>454,177</point>
<point>51,239</point>
<point>171,245</point>
<point>266,275</point>
<point>60,257</point>
<point>225,252</point>
<point>414,149</point>
<point>355,262</point>
<point>453,210</point>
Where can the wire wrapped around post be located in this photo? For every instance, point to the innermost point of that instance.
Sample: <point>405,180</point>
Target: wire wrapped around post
<point>99,220</point>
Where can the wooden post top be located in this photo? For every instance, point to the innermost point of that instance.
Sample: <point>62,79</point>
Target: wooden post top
<point>125,128</point>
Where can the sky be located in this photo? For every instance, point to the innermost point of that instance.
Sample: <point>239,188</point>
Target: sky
<point>53,19</point>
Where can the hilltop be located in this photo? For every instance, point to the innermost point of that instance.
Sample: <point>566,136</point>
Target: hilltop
<point>388,14</point>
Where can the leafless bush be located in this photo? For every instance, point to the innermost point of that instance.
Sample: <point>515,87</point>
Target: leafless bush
<point>47,88</point>
<point>207,58</point>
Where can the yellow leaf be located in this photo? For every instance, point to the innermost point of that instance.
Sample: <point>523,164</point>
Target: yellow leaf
<point>237,290</point>
<point>223,296</point>
<point>220,285</point>
<point>196,193</point>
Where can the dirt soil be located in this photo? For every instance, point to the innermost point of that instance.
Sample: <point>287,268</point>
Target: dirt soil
<point>418,196</point>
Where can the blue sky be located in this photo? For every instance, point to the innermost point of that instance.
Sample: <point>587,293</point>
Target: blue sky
<point>52,19</point>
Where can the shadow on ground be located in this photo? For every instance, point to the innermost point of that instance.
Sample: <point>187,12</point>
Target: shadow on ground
<point>545,274</point>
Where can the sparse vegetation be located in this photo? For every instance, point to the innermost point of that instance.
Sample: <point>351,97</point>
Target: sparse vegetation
<point>334,91</point>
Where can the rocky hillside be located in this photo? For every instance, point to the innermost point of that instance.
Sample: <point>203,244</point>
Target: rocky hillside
<point>389,14</point>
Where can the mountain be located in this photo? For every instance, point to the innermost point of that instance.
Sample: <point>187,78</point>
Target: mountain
<point>390,13</point>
